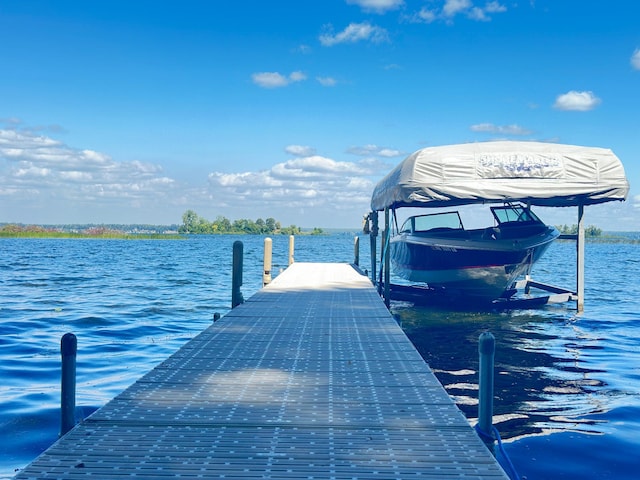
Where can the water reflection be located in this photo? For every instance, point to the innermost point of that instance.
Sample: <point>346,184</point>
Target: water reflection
<point>542,384</point>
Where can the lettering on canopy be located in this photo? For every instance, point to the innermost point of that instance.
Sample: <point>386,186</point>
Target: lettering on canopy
<point>519,165</point>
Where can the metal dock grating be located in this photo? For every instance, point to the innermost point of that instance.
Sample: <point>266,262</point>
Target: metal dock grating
<point>311,378</point>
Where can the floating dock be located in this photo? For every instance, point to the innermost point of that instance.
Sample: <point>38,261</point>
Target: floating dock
<point>311,378</point>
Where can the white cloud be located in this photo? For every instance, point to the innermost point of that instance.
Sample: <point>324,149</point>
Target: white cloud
<point>300,150</point>
<point>453,8</point>
<point>495,7</point>
<point>36,167</point>
<point>577,101</point>
<point>635,59</point>
<point>501,129</point>
<point>327,81</point>
<point>378,6</point>
<point>315,166</point>
<point>310,181</point>
<point>375,150</point>
<point>354,32</point>
<point>303,49</point>
<point>276,80</point>
<point>297,77</point>
<point>425,15</point>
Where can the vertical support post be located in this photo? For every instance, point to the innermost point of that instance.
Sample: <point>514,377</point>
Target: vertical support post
<point>356,251</point>
<point>387,260</point>
<point>486,349</point>
<point>266,261</point>
<point>580,260</point>
<point>68,350</point>
<point>372,239</point>
<point>236,277</point>
<point>291,247</point>
<point>383,237</point>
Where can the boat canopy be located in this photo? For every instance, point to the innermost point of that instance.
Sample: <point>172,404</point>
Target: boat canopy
<point>547,174</point>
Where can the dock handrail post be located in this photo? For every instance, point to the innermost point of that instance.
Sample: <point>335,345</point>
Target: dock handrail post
<point>356,251</point>
<point>291,248</point>
<point>373,216</point>
<point>266,262</point>
<point>486,349</point>
<point>236,277</point>
<point>68,351</point>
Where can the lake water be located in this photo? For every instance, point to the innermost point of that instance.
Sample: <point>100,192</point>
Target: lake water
<point>567,385</point>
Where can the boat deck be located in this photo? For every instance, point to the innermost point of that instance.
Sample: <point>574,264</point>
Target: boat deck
<point>310,378</point>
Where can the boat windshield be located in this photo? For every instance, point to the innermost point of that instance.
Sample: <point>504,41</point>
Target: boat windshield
<point>513,213</point>
<point>423,223</point>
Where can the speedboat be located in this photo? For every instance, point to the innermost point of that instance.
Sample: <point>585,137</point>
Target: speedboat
<point>481,264</point>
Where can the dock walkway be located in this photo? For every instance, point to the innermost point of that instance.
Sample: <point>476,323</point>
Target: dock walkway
<point>311,378</point>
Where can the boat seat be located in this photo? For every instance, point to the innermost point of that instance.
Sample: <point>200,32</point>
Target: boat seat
<point>491,233</point>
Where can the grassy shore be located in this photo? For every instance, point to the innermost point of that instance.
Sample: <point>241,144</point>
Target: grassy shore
<point>101,232</point>
<point>101,236</point>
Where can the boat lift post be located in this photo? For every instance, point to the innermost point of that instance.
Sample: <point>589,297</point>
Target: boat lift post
<point>387,261</point>
<point>580,260</point>
<point>373,216</point>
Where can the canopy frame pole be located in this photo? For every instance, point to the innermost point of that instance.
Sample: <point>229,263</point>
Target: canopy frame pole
<point>373,216</point>
<point>387,261</point>
<point>580,260</point>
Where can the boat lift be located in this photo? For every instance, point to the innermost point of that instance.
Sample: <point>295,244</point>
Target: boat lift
<point>536,173</point>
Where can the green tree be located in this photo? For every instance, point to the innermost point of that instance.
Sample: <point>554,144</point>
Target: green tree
<point>190,220</point>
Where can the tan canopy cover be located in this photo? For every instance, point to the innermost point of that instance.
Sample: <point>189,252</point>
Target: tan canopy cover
<point>546,174</point>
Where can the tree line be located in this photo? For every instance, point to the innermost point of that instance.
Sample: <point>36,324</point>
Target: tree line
<point>589,231</point>
<point>195,224</point>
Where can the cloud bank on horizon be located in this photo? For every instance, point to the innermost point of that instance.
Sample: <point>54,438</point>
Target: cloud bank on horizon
<point>41,170</point>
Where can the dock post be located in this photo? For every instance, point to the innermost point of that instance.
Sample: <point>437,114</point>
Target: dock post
<point>266,262</point>
<point>68,350</point>
<point>236,277</point>
<point>372,239</point>
<point>486,349</point>
<point>356,251</point>
<point>291,242</point>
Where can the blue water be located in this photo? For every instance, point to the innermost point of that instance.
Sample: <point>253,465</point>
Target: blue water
<point>567,385</point>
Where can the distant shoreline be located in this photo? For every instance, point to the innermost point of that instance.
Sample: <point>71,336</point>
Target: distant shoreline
<point>103,236</point>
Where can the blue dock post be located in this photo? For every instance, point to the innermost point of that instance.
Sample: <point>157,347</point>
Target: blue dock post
<point>68,350</point>
<point>236,277</point>
<point>486,349</point>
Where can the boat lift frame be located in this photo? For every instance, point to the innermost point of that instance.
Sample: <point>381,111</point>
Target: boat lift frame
<point>382,277</point>
<point>538,173</point>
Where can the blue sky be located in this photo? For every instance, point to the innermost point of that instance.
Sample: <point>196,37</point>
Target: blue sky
<point>134,111</point>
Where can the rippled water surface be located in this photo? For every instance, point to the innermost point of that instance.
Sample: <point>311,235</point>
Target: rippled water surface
<point>567,386</point>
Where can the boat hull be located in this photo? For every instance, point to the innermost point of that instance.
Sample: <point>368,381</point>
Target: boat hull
<point>481,269</point>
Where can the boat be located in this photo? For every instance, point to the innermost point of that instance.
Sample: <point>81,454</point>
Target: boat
<point>482,263</point>
<point>438,252</point>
